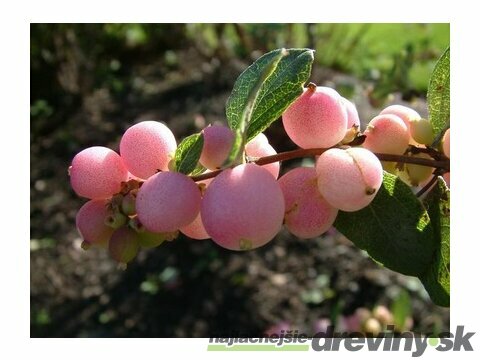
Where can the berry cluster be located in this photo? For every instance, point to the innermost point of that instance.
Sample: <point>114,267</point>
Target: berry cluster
<point>139,200</point>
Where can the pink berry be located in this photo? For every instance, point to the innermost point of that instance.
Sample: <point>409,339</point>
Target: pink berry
<point>387,134</point>
<point>446,143</point>
<point>352,114</point>
<point>217,143</point>
<point>307,213</point>
<point>349,179</point>
<point>403,112</point>
<point>408,115</point>
<point>147,147</point>
<point>257,148</point>
<point>243,208</point>
<point>97,173</point>
<point>196,229</point>
<point>90,222</point>
<point>167,201</point>
<point>318,118</point>
<point>259,140</point>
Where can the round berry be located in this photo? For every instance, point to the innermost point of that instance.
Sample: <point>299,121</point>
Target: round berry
<point>243,208</point>
<point>352,114</point>
<point>386,134</point>
<point>257,148</point>
<point>349,179</point>
<point>123,245</point>
<point>90,222</point>
<point>217,143</point>
<point>318,118</point>
<point>97,173</point>
<point>167,201</point>
<point>147,147</point>
<point>307,213</point>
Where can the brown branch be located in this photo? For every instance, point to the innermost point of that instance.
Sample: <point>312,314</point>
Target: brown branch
<point>301,153</point>
<point>424,189</point>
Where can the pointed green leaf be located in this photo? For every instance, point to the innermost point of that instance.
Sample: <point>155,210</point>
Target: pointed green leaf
<point>437,279</point>
<point>394,229</point>
<point>438,95</point>
<point>282,74</point>
<point>188,153</point>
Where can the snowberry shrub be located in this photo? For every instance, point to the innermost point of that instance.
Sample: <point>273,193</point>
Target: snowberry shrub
<point>147,147</point>
<point>155,189</point>
<point>97,173</point>
<point>167,201</point>
<point>307,213</point>
<point>348,179</point>
<point>318,118</point>
<point>243,208</point>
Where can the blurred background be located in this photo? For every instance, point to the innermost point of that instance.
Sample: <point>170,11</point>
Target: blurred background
<point>89,82</point>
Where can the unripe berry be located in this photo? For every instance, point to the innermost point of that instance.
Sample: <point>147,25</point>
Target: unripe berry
<point>243,208</point>
<point>147,147</point>
<point>257,148</point>
<point>307,213</point>
<point>446,143</point>
<point>389,166</point>
<point>217,143</point>
<point>167,201</point>
<point>417,173</point>
<point>90,222</point>
<point>349,179</point>
<point>386,134</point>
<point>352,114</point>
<point>148,239</point>
<point>421,131</point>
<point>97,173</point>
<point>123,245</point>
<point>318,118</point>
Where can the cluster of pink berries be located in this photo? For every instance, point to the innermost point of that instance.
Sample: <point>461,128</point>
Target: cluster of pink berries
<point>138,199</point>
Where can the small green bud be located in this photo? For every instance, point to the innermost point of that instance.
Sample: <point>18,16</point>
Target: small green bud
<point>128,204</point>
<point>116,220</point>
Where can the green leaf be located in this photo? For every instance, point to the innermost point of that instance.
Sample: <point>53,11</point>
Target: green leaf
<point>437,279</point>
<point>188,153</point>
<point>438,95</point>
<point>273,82</point>
<point>236,152</point>
<point>401,309</point>
<point>200,169</point>
<point>394,229</point>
